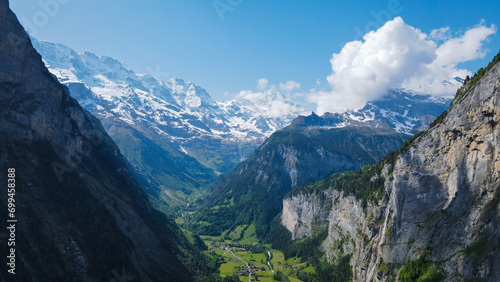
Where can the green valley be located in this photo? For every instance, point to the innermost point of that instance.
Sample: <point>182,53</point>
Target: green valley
<point>244,257</point>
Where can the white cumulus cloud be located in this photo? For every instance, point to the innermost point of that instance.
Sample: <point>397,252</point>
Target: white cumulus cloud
<point>440,33</point>
<point>398,55</point>
<point>467,47</point>
<point>262,83</point>
<point>289,86</point>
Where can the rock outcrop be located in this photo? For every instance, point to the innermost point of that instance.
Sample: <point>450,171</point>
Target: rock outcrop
<point>303,213</point>
<point>438,202</point>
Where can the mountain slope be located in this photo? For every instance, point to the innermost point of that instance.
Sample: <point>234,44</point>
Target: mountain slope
<point>253,191</point>
<point>80,214</point>
<point>178,110</point>
<point>139,113</point>
<point>428,211</point>
<point>309,149</point>
<point>173,133</point>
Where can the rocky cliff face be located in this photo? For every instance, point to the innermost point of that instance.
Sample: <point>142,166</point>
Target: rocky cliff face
<point>80,214</point>
<point>438,202</point>
<point>304,212</point>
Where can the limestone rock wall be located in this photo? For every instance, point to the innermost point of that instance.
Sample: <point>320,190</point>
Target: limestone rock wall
<point>441,200</point>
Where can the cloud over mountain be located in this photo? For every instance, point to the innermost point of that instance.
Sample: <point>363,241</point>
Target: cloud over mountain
<point>398,55</point>
<point>271,102</point>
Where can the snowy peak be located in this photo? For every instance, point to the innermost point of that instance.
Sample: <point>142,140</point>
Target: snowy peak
<point>84,65</point>
<point>189,95</point>
<point>265,112</point>
<point>157,88</point>
<point>442,88</point>
<point>108,67</point>
<point>175,109</point>
<point>402,110</point>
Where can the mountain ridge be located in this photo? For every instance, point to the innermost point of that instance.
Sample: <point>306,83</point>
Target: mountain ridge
<point>402,110</point>
<point>173,133</point>
<point>289,158</point>
<point>309,149</point>
<point>80,213</point>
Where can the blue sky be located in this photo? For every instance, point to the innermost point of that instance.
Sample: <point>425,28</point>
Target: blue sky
<point>227,50</point>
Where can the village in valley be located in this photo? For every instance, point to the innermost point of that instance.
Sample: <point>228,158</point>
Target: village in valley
<point>245,257</point>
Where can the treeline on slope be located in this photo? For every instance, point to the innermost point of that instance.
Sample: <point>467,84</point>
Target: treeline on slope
<point>470,82</point>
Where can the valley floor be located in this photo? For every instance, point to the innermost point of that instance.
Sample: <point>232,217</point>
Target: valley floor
<point>247,255</point>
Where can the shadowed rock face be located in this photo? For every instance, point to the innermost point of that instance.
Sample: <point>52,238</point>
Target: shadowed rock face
<point>439,199</point>
<point>81,215</point>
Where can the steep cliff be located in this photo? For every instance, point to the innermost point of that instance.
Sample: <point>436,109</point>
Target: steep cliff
<point>430,209</point>
<point>305,212</point>
<point>80,215</point>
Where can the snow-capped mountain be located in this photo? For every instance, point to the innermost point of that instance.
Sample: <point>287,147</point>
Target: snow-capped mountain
<point>175,109</point>
<point>178,138</point>
<point>402,110</point>
<point>172,132</point>
<point>437,87</point>
<point>260,113</point>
